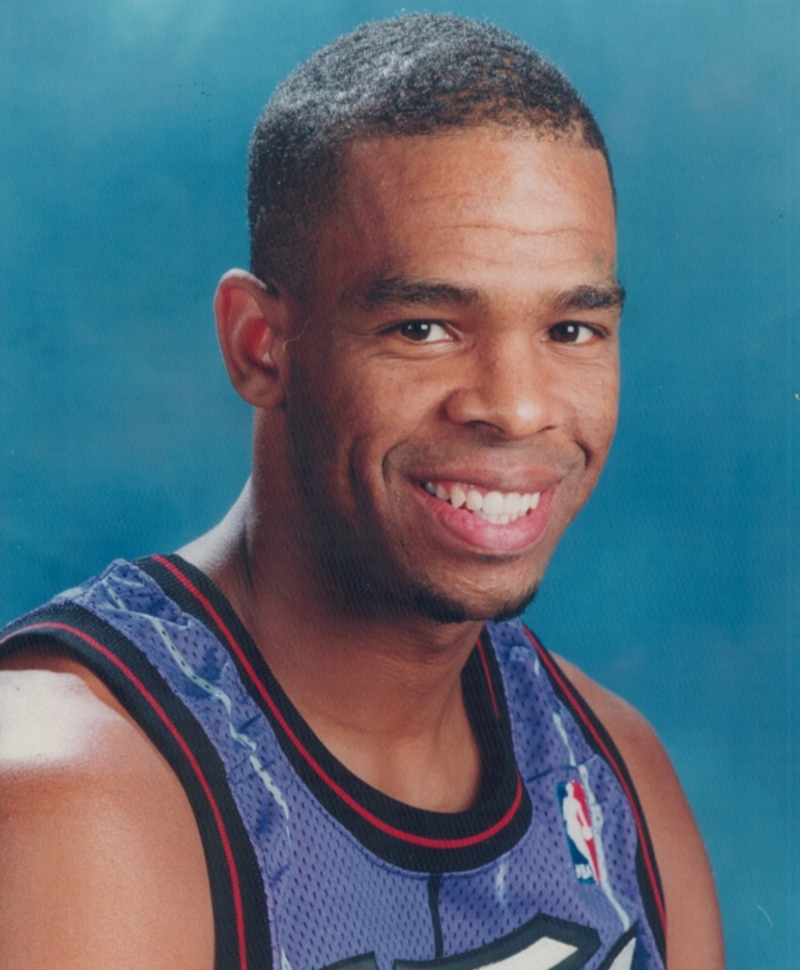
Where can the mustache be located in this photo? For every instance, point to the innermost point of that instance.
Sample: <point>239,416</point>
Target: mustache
<point>506,459</point>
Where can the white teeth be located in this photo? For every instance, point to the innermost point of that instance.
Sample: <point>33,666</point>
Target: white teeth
<point>493,503</point>
<point>474,500</point>
<point>497,519</point>
<point>457,496</point>
<point>495,507</point>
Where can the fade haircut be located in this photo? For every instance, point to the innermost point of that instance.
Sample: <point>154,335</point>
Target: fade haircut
<point>421,74</point>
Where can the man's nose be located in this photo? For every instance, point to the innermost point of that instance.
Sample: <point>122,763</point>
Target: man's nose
<point>507,390</point>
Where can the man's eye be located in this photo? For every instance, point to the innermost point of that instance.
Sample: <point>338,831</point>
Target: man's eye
<point>572,333</point>
<point>423,331</point>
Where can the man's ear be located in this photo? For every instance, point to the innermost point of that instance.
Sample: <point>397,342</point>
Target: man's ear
<point>253,322</point>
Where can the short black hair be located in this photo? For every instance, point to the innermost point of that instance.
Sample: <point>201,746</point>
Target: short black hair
<point>419,74</point>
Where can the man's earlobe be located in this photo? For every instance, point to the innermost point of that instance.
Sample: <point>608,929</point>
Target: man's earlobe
<point>253,325</point>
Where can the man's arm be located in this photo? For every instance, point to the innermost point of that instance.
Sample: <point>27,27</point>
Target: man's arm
<point>101,863</point>
<point>694,931</point>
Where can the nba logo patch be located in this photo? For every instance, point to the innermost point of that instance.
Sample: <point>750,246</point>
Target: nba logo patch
<point>578,828</point>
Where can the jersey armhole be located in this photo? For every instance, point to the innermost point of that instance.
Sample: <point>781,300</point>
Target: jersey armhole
<point>600,741</point>
<point>241,927</point>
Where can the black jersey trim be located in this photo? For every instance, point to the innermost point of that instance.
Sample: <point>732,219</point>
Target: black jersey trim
<point>411,838</point>
<point>365,961</point>
<point>241,926</point>
<point>434,885</point>
<point>601,742</point>
<point>619,946</point>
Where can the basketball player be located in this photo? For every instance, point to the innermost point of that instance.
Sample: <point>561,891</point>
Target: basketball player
<point>316,736</point>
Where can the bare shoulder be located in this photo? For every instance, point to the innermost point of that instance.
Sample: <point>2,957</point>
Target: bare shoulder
<point>694,934</point>
<point>101,863</point>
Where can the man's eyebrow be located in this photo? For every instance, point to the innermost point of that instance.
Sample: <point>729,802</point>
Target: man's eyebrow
<point>400,290</point>
<point>591,298</point>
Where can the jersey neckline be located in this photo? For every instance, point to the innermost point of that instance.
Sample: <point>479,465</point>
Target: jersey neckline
<point>411,838</point>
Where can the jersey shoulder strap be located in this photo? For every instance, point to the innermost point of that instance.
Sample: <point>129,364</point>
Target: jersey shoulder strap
<point>241,926</point>
<point>594,738</point>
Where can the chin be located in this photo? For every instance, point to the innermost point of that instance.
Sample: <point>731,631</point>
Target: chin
<point>357,590</point>
<point>442,608</point>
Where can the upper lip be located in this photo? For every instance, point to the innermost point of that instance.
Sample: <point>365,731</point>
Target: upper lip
<point>523,482</point>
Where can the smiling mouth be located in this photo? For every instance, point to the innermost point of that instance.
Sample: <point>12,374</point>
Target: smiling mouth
<point>499,508</point>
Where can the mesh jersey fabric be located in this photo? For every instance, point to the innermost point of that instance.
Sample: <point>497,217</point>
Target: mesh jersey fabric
<point>552,868</point>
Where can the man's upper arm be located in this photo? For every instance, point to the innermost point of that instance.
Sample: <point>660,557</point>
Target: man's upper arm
<point>694,934</point>
<point>101,863</point>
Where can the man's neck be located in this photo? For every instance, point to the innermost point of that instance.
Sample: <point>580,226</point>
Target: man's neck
<point>383,694</point>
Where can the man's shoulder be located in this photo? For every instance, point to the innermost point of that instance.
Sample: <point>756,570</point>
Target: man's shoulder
<point>98,841</point>
<point>631,732</point>
<point>64,739</point>
<point>695,937</point>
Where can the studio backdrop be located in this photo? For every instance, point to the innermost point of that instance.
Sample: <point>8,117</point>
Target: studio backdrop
<point>124,134</point>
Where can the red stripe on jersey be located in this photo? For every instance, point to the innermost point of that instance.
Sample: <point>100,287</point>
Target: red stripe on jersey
<point>565,686</point>
<point>163,716</point>
<point>309,758</point>
<point>486,674</point>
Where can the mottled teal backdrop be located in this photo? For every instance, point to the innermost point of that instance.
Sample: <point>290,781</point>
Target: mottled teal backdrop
<point>124,130</point>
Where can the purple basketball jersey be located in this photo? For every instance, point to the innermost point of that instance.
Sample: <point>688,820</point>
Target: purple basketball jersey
<point>310,868</point>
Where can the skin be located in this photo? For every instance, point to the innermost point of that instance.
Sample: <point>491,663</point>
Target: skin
<point>463,328</point>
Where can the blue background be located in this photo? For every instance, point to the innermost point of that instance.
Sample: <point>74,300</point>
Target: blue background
<point>125,126</point>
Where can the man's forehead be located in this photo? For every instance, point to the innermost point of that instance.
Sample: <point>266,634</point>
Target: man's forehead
<point>414,207</point>
<point>476,175</point>
<point>385,159</point>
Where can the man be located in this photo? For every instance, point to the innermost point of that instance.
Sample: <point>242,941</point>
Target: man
<point>297,743</point>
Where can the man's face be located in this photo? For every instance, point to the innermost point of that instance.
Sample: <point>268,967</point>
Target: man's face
<point>453,391</point>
